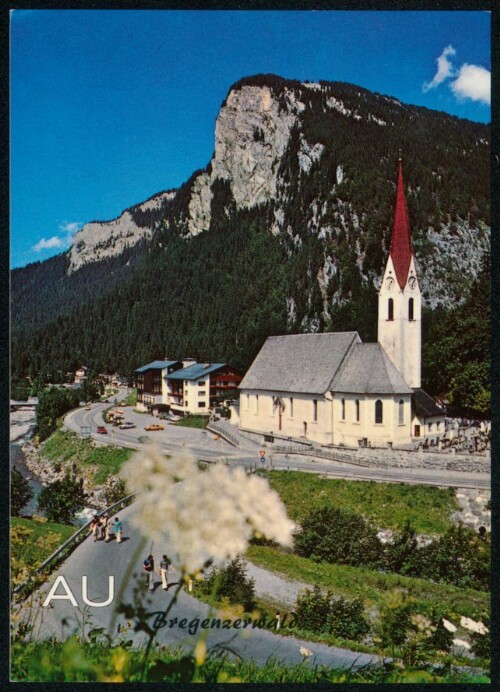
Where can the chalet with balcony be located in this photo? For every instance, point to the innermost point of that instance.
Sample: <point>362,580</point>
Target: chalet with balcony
<point>151,387</point>
<point>196,388</point>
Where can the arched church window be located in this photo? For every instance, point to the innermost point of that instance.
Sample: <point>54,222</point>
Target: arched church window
<point>343,409</point>
<point>357,410</point>
<point>401,412</point>
<point>410,309</point>
<point>390,310</point>
<point>379,416</point>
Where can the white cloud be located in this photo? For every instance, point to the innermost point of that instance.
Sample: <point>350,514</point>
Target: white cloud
<point>48,243</point>
<point>70,227</point>
<point>444,70</point>
<point>473,82</point>
<point>67,229</point>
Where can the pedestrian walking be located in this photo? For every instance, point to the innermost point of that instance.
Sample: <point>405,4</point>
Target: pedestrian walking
<point>118,526</point>
<point>104,528</point>
<point>164,564</point>
<point>149,568</point>
<point>94,527</point>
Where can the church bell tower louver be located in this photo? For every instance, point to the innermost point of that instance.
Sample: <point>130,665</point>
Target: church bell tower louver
<point>400,299</point>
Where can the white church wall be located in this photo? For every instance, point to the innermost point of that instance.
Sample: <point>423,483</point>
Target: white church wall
<point>303,415</point>
<point>348,430</point>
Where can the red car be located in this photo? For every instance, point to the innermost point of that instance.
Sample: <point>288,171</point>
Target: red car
<point>102,430</point>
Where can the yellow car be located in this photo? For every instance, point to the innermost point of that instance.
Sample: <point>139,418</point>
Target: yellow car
<point>154,427</point>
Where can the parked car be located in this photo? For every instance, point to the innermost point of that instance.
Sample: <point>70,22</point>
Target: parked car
<point>127,425</point>
<point>102,430</point>
<point>155,426</point>
<point>88,408</point>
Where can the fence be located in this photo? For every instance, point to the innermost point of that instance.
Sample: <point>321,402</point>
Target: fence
<point>218,430</point>
<point>73,541</point>
<point>322,453</point>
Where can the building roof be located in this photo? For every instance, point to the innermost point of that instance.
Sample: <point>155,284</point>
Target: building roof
<point>401,249</point>
<point>157,365</point>
<point>195,371</point>
<point>368,370</point>
<point>302,363</point>
<point>425,406</point>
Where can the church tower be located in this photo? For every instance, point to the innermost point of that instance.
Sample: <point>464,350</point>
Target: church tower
<point>399,298</point>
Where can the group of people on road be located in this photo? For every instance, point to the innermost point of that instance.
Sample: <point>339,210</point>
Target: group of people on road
<point>101,527</point>
<point>149,570</point>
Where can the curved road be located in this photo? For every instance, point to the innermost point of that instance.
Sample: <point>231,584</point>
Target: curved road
<point>99,560</point>
<point>205,445</point>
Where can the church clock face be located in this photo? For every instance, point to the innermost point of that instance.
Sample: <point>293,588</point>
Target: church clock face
<point>389,283</point>
<point>412,282</point>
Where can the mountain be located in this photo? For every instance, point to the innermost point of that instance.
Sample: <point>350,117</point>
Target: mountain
<point>285,230</point>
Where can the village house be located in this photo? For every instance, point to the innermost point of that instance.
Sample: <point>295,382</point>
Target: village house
<point>334,389</point>
<point>81,374</point>
<point>184,387</point>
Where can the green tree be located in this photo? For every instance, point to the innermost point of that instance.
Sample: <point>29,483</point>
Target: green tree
<point>20,492</point>
<point>62,499</point>
<point>330,534</point>
<point>341,617</point>
<point>52,404</point>
<point>231,582</point>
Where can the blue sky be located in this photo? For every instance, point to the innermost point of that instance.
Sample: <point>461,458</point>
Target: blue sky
<point>111,107</point>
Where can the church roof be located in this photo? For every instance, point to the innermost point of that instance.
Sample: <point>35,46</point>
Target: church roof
<point>302,363</point>
<point>424,405</point>
<point>368,370</point>
<point>401,249</point>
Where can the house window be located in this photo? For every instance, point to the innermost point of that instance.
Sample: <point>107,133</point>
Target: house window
<point>343,409</point>
<point>201,404</point>
<point>200,384</point>
<point>417,431</point>
<point>379,417</point>
<point>256,403</point>
<point>315,410</point>
<point>248,401</point>
<point>437,425</point>
<point>202,393</point>
<point>357,410</point>
<point>390,310</point>
<point>401,412</point>
<point>291,407</point>
<point>410,309</point>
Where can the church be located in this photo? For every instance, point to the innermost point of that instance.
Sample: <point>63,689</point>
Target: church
<point>332,388</point>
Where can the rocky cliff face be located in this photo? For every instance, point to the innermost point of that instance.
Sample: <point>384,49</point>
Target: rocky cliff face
<point>99,240</point>
<point>263,133</point>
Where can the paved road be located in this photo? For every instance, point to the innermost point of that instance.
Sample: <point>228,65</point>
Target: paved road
<point>100,560</point>
<point>205,445</point>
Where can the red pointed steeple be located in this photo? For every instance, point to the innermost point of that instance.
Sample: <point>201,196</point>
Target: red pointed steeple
<point>401,249</point>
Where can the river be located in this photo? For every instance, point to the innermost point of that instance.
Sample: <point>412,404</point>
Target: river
<point>22,424</point>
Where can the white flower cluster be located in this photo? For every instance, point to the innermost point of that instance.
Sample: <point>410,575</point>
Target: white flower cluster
<point>473,626</point>
<point>210,515</point>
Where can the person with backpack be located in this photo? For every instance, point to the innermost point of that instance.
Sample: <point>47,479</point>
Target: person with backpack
<point>164,564</point>
<point>149,569</point>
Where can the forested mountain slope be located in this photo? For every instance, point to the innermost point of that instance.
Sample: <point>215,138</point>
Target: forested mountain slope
<point>285,230</point>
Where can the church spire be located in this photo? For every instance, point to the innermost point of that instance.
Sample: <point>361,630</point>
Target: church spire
<point>401,250</point>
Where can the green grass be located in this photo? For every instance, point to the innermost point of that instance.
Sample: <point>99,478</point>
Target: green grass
<point>385,505</point>
<point>193,422</point>
<point>369,585</point>
<point>74,661</point>
<point>33,541</point>
<point>131,399</point>
<point>64,446</point>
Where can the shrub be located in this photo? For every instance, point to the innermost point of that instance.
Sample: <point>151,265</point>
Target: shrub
<point>399,555</point>
<point>20,492</point>
<point>330,534</point>
<point>481,643</point>
<point>62,499</point>
<point>458,557</point>
<point>319,612</point>
<point>231,582</point>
